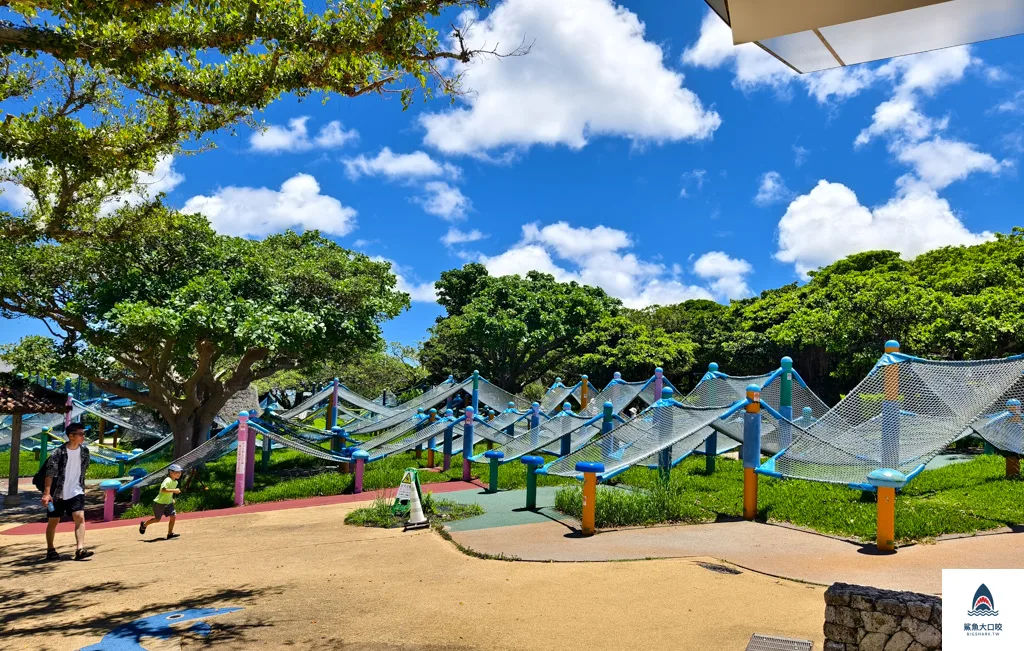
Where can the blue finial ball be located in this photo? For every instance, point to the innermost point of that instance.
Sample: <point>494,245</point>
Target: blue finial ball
<point>511,403</point>
<point>666,393</point>
<point>566,407</point>
<point>558,379</point>
<point>583,377</point>
<point>420,410</point>
<point>243,414</point>
<point>433,410</point>
<point>609,405</point>
<point>713,367</point>
<point>659,370</point>
<point>469,411</point>
<point>753,388</point>
<point>536,404</point>
<point>808,412</point>
<point>449,412</point>
<point>1013,402</point>
<point>892,343</point>
<point>787,362</point>
<point>476,372</point>
<point>616,375</point>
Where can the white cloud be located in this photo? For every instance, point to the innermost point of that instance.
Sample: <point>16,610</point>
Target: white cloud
<point>595,256</point>
<point>1014,104</point>
<point>590,72</point>
<point>900,118</point>
<point>772,189</point>
<point>754,68</point>
<point>295,137</point>
<point>418,292</point>
<point>728,276</point>
<point>13,196</point>
<point>417,165</point>
<point>445,201</point>
<point>259,212</point>
<point>928,72</point>
<point>800,155</point>
<point>829,223</point>
<point>939,162</point>
<point>696,177</point>
<point>456,236</point>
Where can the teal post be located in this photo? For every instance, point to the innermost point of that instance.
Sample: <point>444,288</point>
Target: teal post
<point>510,431</point>
<point>476,391</point>
<point>44,442</point>
<point>607,424</point>
<point>565,446</point>
<point>711,443</point>
<point>494,457</point>
<point>67,385</point>
<point>786,403</point>
<point>535,415</point>
<point>663,425</point>
<point>121,459</point>
<point>531,462</point>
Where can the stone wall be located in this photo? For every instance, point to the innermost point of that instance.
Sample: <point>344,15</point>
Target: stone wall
<point>859,618</point>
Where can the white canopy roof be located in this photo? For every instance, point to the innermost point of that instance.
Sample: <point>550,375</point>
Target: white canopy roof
<point>820,34</point>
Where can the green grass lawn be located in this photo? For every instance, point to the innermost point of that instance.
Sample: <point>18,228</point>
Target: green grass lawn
<point>436,510</point>
<point>959,498</point>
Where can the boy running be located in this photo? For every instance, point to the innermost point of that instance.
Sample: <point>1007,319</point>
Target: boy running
<point>164,502</point>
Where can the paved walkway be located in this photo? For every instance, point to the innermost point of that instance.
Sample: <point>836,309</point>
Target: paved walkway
<point>770,549</point>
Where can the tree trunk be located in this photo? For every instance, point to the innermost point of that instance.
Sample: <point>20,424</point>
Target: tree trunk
<point>190,428</point>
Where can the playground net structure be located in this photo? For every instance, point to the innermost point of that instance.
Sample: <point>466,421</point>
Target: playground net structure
<point>556,397</point>
<point>899,417</point>
<point>548,434</point>
<point>432,396</point>
<point>1000,424</point>
<point>213,449</point>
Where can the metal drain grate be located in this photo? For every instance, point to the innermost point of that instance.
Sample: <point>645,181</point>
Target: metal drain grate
<point>760,642</point>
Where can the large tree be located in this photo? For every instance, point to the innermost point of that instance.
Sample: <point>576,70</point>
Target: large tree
<point>512,329</point>
<point>94,94</point>
<point>193,315</point>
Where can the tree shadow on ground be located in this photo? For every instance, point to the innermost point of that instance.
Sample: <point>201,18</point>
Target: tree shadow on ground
<point>28,614</point>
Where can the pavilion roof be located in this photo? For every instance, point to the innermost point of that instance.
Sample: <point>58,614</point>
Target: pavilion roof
<point>20,396</point>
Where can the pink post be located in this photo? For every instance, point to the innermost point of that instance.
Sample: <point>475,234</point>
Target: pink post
<point>109,488</point>
<point>250,458</point>
<point>67,414</point>
<point>240,455</point>
<point>136,495</point>
<point>360,457</point>
<point>659,382</point>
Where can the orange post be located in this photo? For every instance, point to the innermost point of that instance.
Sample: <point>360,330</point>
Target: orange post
<point>751,450</point>
<point>886,536</point>
<point>590,471</point>
<point>584,391</point>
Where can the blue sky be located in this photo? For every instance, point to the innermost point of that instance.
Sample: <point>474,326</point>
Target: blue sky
<point>634,148</point>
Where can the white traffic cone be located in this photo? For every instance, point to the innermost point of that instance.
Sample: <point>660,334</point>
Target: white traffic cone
<point>416,518</point>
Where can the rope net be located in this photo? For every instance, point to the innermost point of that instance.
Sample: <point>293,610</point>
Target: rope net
<point>674,428</point>
<point>308,403</point>
<point>215,448</point>
<point>547,434</point>
<point>620,394</point>
<point>356,400</point>
<point>498,398</point>
<point>283,427</point>
<point>554,399</point>
<point>1000,424</point>
<point>134,418</point>
<point>390,435</point>
<point>411,440</point>
<point>433,396</point>
<point>900,416</point>
<point>304,448</point>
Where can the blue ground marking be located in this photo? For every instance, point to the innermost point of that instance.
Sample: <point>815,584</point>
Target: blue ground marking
<point>164,627</point>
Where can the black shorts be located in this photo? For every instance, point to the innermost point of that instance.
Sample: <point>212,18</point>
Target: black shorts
<point>160,510</point>
<point>64,508</point>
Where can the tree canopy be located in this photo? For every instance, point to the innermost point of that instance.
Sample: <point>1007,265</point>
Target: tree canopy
<point>193,315</point>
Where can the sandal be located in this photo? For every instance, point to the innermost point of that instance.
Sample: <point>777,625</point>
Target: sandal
<point>142,527</point>
<point>173,535</point>
<point>52,555</point>
<point>82,554</point>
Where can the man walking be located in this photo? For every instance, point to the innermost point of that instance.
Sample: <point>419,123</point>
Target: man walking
<point>64,490</point>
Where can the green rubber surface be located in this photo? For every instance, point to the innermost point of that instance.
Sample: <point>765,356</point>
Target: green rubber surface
<point>506,508</point>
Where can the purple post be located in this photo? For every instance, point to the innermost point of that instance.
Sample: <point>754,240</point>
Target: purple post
<point>109,488</point>
<point>240,457</point>
<point>250,457</point>
<point>136,495</point>
<point>659,382</point>
<point>67,414</point>
<point>360,457</point>
<point>467,445</point>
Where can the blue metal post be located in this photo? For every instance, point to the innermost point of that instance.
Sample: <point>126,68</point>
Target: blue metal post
<point>659,382</point>
<point>510,431</point>
<point>332,411</point>
<point>67,385</point>
<point>535,415</point>
<point>467,443</point>
<point>663,423</point>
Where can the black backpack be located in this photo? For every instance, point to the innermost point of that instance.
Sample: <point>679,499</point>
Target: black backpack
<point>39,479</point>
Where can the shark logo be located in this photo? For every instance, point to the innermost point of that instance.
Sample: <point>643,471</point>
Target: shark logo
<point>983,604</point>
<point>128,637</point>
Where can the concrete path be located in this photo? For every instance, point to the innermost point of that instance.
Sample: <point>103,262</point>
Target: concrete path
<point>304,580</point>
<point>770,549</point>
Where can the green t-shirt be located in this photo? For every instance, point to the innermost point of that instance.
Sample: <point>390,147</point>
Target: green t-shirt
<point>166,498</point>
